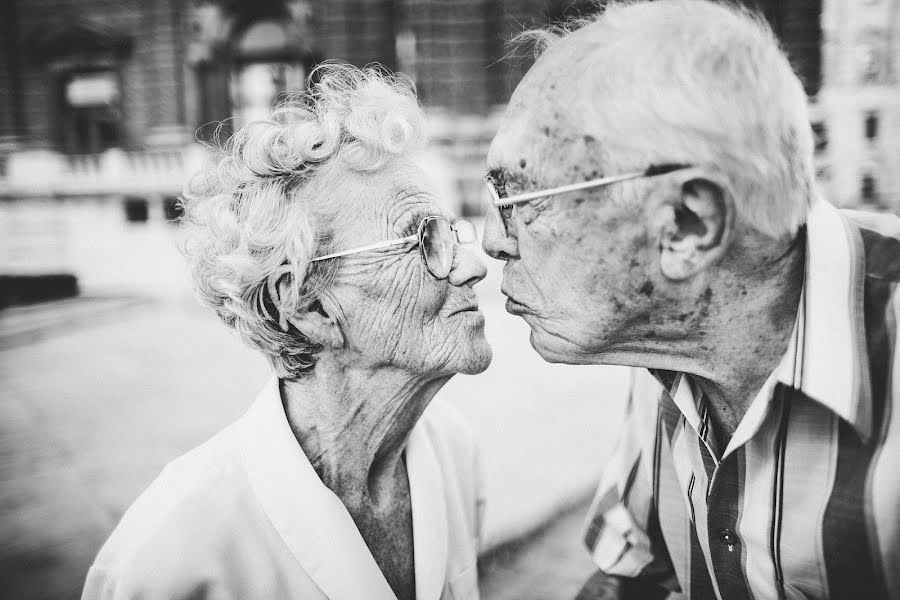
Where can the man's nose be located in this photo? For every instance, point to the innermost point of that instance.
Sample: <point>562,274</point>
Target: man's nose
<point>495,241</point>
<point>468,268</point>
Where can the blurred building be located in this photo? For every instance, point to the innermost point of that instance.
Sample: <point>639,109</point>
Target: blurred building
<point>106,96</point>
<point>83,76</point>
<point>856,114</point>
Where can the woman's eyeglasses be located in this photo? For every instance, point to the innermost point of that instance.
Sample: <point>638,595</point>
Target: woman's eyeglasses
<point>502,205</point>
<point>435,236</point>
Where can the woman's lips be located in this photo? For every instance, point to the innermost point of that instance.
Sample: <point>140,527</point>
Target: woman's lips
<point>471,316</point>
<point>466,309</point>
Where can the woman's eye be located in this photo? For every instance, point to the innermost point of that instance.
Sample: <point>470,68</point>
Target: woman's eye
<point>506,211</point>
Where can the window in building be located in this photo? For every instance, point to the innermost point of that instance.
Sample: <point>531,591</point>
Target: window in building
<point>90,119</point>
<point>820,136</point>
<point>136,210</point>
<point>872,126</point>
<point>869,189</point>
<point>869,61</point>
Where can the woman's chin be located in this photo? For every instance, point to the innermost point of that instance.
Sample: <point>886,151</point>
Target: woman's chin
<point>477,359</point>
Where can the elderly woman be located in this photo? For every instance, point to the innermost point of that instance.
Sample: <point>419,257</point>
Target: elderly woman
<point>316,237</point>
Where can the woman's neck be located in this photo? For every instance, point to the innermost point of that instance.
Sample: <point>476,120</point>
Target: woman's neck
<point>353,424</point>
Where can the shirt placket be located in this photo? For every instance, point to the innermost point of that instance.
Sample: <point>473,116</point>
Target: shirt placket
<point>721,498</point>
<point>722,511</point>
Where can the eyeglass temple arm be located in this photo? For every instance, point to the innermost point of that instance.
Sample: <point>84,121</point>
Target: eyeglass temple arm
<point>375,246</point>
<point>651,171</point>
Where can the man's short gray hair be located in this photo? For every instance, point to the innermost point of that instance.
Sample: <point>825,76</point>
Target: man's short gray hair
<point>262,208</point>
<point>703,83</point>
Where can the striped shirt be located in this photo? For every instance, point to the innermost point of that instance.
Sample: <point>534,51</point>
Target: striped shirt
<point>805,500</point>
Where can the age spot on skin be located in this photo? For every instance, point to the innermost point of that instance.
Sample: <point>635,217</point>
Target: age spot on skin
<point>647,288</point>
<point>522,163</point>
<point>705,301</point>
<point>589,139</point>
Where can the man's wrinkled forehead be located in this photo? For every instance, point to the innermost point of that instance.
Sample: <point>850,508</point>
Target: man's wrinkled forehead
<point>543,135</point>
<point>551,122</point>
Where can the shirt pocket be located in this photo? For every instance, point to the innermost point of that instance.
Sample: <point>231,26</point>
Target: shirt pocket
<point>463,585</point>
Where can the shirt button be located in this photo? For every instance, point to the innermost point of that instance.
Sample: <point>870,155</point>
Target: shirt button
<point>729,538</point>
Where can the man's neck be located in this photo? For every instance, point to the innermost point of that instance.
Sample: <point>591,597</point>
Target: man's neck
<point>353,424</point>
<point>748,341</point>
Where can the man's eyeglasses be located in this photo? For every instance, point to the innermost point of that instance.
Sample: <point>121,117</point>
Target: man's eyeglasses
<point>435,237</point>
<point>502,205</point>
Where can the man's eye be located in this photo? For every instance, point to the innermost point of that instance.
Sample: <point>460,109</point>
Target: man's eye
<point>506,210</point>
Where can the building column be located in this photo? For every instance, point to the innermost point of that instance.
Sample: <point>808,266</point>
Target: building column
<point>164,39</point>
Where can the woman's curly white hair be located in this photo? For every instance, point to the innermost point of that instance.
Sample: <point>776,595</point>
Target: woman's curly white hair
<point>258,213</point>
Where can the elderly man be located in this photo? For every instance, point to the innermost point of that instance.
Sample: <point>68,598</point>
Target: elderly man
<point>656,208</point>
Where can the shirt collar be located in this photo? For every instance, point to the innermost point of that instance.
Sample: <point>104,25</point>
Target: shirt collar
<point>314,523</point>
<point>308,516</point>
<point>831,366</point>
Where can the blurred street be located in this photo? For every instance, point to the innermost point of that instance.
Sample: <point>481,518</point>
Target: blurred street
<point>99,393</point>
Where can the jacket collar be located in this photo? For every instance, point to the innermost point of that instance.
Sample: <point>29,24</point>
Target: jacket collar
<point>313,521</point>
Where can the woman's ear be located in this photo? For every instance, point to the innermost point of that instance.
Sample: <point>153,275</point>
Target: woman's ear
<point>316,322</point>
<point>696,228</point>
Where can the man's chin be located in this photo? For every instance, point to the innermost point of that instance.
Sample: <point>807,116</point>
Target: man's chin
<point>556,350</point>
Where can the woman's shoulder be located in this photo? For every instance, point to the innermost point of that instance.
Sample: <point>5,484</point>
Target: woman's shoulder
<point>187,509</point>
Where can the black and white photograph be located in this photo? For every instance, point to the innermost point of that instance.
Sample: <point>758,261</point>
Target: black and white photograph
<point>449,299</point>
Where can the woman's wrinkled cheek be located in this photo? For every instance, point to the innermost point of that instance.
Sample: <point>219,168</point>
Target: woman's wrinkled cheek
<point>409,324</point>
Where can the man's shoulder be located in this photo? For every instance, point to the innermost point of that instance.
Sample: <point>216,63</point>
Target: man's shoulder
<point>884,223</point>
<point>648,393</point>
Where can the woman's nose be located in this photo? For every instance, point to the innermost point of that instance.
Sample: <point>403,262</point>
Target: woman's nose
<point>495,241</point>
<point>468,268</point>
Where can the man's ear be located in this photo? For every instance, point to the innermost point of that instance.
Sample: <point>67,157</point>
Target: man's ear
<point>696,230</point>
<point>317,321</point>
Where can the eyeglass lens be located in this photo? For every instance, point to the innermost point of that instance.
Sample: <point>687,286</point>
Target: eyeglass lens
<point>465,232</point>
<point>437,246</point>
